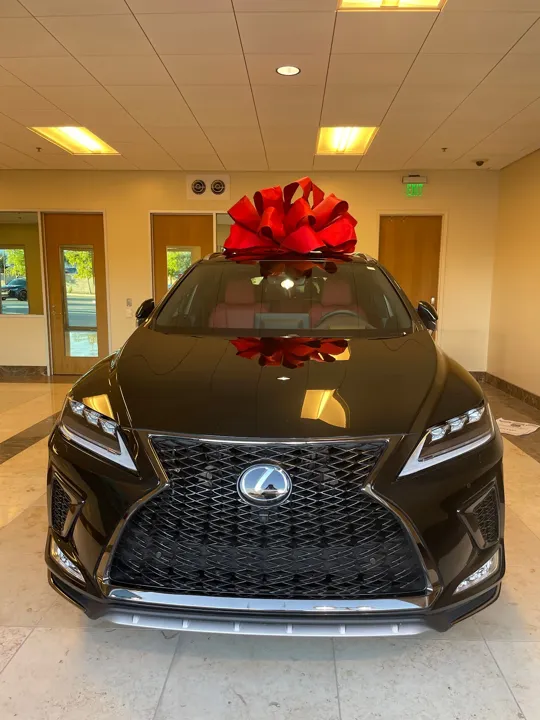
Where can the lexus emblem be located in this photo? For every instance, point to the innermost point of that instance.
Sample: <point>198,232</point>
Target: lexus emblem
<point>264,485</point>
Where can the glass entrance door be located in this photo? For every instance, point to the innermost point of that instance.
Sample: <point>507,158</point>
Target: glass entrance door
<point>75,255</point>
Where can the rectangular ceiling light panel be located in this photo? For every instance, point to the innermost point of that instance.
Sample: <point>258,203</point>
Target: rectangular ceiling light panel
<point>392,4</point>
<point>345,140</point>
<point>75,140</point>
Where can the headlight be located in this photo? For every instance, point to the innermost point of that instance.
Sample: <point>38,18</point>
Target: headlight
<point>95,432</point>
<point>452,438</point>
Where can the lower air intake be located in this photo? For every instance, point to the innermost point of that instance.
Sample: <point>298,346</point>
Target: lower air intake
<point>60,504</point>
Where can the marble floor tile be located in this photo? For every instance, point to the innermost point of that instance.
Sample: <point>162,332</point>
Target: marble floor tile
<point>223,677</point>
<point>9,512</point>
<point>386,679</point>
<point>82,674</point>
<point>11,640</point>
<point>516,614</point>
<point>27,533</point>
<point>520,664</point>
<point>27,595</point>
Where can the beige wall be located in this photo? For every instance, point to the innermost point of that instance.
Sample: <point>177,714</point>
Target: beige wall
<point>23,340</point>
<point>514,348</point>
<point>467,199</point>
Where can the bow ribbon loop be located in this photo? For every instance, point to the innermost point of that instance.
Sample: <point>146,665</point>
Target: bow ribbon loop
<point>278,222</point>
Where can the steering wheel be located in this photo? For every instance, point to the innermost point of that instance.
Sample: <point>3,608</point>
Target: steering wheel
<point>347,313</point>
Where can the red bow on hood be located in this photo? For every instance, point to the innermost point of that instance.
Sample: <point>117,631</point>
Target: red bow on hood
<point>275,222</point>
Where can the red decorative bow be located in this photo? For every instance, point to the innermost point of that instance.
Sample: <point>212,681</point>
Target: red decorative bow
<point>289,352</point>
<point>275,222</point>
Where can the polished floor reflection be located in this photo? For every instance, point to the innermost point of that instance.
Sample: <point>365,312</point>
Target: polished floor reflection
<point>55,664</point>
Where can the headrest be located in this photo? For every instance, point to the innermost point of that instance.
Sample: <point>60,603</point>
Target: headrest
<point>240,292</point>
<point>337,291</point>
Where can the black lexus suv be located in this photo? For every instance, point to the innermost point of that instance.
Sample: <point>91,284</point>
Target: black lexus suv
<point>279,448</point>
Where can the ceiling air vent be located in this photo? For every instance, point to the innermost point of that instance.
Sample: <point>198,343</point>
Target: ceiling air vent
<point>198,187</point>
<point>207,187</point>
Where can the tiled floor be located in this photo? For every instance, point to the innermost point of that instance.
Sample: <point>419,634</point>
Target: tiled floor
<point>55,664</point>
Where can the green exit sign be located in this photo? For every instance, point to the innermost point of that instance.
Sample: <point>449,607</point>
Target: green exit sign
<point>414,189</point>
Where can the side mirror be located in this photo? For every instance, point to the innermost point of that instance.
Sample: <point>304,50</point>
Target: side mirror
<point>144,310</point>
<point>428,314</point>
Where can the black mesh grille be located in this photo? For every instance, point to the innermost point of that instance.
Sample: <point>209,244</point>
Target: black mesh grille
<point>486,514</point>
<point>60,502</point>
<point>330,540</point>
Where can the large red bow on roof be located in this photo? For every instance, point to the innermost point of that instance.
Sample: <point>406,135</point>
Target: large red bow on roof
<point>275,222</point>
<point>289,352</point>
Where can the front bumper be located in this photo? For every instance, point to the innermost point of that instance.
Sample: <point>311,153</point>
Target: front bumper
<point>253,622</point>
<point>103,497</point>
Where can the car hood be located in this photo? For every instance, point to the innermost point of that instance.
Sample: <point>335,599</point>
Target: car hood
<point>203,385</point>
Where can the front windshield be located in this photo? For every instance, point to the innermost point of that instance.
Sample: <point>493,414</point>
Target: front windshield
<point>268,298</point>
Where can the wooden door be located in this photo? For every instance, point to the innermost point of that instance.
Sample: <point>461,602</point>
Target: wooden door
<point>76,279</point>
<point>177,242</point>
<point>410,248</point>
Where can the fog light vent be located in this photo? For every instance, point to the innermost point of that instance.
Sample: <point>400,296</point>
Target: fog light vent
<point>60,504</point>
<point>486,514</point>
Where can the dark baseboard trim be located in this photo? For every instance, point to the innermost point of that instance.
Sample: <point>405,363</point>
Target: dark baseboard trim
<point>9,373</point>
<point>513,390</point>
<point>479,375</point>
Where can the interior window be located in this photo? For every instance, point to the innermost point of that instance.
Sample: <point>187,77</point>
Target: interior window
<point>20,265</point>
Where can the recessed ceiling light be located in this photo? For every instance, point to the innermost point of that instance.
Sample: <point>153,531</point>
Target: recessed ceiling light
<point>76,140</point>
<point>392,4</point>
<point>288,70</point>
<point>345,140</point>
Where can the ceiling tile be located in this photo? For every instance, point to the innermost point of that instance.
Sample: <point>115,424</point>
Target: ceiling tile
<point>196,161</point>
<point>517,69</point>
<point>288,106</point>
<point>192,33</point>
<point>12,8</point>
<point>25,37</point>
<point>369,69</point>
<point>179,6</point>
<point>290,139</point>
<point>290,32</point>
<point>530,43</point>
<point>88,105</point>
<point>381,32</point>
<point>221,105</point>
<point>22,98</point>
<point>361,105</point>
<point>39,118</point>
<point>451,68</point>
<point>147,156</point>
<point>43,8</point>
<point>238,160</point>
<point>477,32</point>
<point>297,161</point>
<point>262,69</point>
<point>110,162</point>
<point>178,140</point>
<point>284,5</point>
<point>494,162</point>
<point>64,162</point>
<point>490,103</point>
<point>99,35</point>
<point>207,69</point>
<point>513,5</point>
<point>7,79</point>
<point>127,70</point>
<point>331,163</point>
<point>225,140</point>
<point>371,163</point>
<point>14,159</point>
<point>19,138</point>
<point>154,104</point>
<point>49,71</point>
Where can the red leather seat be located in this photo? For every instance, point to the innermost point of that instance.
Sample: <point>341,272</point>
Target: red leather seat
<point>336,295</point>
<point>239,306</point>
